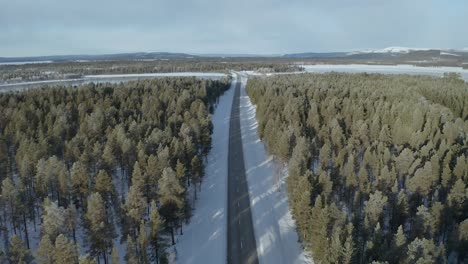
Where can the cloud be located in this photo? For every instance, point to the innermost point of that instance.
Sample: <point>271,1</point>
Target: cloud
<point>33,27</point>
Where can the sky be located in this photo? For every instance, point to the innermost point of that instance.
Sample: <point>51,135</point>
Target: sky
<point>60,27</point>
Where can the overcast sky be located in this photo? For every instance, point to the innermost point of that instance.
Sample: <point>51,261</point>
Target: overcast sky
<point>55,27</point>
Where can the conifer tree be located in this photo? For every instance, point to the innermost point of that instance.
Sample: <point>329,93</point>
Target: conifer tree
<point>171,198</point>
<point>65,251</point>
<point>115,256</point>
<point>45,251</point>
<point>18,252</point>
<point>155,226</point>
<point>100,229</point>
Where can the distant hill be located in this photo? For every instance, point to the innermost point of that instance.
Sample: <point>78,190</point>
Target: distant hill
<point>392,55</point>
<point>316,55</point>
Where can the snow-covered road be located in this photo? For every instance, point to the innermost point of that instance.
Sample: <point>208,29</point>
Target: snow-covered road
<point>275,230</point>
<point>204,239</point>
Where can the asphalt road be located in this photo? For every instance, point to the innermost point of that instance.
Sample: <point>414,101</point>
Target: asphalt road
<point>241,243</point>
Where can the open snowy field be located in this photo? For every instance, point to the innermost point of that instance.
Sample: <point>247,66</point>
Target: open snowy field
<point>112,78</point>
<point>386,69</point>
<point>169,74</point>
<point>275,230</point>
<point>204,238</point>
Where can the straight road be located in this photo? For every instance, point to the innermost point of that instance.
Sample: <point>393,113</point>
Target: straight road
<point>241,243</point>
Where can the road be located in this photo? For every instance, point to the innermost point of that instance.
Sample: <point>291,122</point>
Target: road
<point>241,243</point>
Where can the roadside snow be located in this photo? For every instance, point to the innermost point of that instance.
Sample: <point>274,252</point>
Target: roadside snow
<point>204,238</point>
<point>275,230</point>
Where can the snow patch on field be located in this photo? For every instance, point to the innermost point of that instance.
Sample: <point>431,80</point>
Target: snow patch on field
<point>24,62</point>
<point>275,229</point>
<point>169,74</point>
<point>449,54</point>
<point>204,238</point>
<point>386,69</point>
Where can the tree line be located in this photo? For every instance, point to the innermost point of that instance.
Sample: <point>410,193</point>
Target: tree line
<point>72,70</point>
<point>377,164</point>
<point>101,169</point>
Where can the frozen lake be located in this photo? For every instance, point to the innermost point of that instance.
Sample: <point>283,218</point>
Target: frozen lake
<point>386,69</point>
<point>108,78</point>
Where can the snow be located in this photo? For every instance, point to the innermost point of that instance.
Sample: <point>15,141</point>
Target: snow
<point>24,62</point>
<point>449,54</point>
<point>112,78</point>
<point>386,69</point>
<point>204,238</point>
<point>387,50</point>
<point>275,229</point>
<point>169,74</point>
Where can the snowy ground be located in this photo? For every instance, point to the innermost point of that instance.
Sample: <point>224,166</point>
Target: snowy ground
<point>204,238</point>
<point>169,74</point>
<point>275,230</point>
<point>112,78</point>
<point>386,69</point>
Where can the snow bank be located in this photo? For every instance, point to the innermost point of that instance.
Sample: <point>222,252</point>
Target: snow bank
<point>275,230</point>
<point>204,238</point>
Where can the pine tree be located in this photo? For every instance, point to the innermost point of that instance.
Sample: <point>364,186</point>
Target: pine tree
<point>421,251</point>
<point>135,205</point>
<point>132,256</point>
<point>79,180</point>
<point>458,196</point>
<point>374,208</point>
<point>70,218</point>
<point>398,244</point>
<point>348,247</point>
<point>143,243</point>
<point>104,185</point>
<point>100,229</point>
<point>65,251</point>
<point>422,180</point>
<point>53,221</point>
<point>196,173</point>
<point>9,197</point>
<point>86,260</point>
<point>180,171</point>
<point>155,226</point>
<point>18,252</point>
<point>45,251</point>
<point>154,173</point>
<point>115,256</point>
<point>171,198</point>
<point>335,249</point>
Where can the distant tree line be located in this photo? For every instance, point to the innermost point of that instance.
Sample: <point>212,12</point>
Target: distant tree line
<point>71,70</point>
<point>91,165</point>
<point>377,164</point>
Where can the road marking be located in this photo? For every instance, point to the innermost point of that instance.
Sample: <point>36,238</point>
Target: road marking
<point>241,244</point>
<point>239,221</point>
<point>238,205</point>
